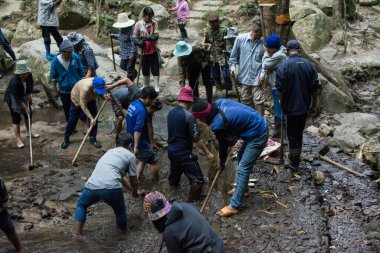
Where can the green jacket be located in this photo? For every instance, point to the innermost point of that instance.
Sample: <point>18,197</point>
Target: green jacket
<point>216,39</point>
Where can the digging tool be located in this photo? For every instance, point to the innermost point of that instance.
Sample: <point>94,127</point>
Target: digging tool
<point>282,138</point>
<point>322,156</point>
<point>113,55</point>
<point>210,191</point>
<point>226,66</point>
<point>234,83</point>
<point>31,166</point>
<point>88,132</point>
<point>138,73</point>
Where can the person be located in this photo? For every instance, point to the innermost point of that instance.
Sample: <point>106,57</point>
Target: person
<point>137,126</point>
<point>230,120</point>
<point>83,98</point>
<point>83,49</point>
<point>183,131</point>
<point>193,61</point>
<point>274,54</point>
<point>248,48</point>
<point>145,36</point>
<point>106,181</point>
<point>6,224</point>
<point>215,36</point>
<point>18,96</point>
<point>128,50</point>
<point>49,23</point>
<point>183,228</point>
<point>124,96</point>
<point>297,84</point>
<point>6,46</point>
<point>183,16</point>
<point>65,71</point>
<point>232,33</point>
<point>155,106</point>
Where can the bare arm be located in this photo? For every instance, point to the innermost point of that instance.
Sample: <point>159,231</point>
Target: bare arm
<point>137,137</point>
<point>200,144</point>
<point>123,81</point>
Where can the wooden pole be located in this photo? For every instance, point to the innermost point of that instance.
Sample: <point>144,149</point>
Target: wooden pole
<point>210,191</point>
<point>340,166</point>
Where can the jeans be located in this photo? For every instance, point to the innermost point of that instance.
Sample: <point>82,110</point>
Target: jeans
<point>112,197</point>
<point>277,106</point>
<point>247,157</point>
<point>75,112</point>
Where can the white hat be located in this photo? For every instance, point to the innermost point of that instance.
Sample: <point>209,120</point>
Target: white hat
<point>123,21</point>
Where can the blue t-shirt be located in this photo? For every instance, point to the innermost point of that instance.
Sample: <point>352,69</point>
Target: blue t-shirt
<point>246,122</point>
<point>137,120</point>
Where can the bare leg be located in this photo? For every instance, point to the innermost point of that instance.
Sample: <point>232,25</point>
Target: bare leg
<point>27,125</point>
<point>16,129</point>
<point>140,168</point>
<point>154,171</point>
<point>78,227</point>
<point>13,238</point>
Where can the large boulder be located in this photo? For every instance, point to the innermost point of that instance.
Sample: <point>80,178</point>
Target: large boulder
<point>313,30</point>
<point>301,11</point>
<point>355,129</point>
<point>73,14</point>
<point>375,25</point>
<point>161,15</point>
<point>171,66</point>
<point>368,2</point>
<point>24,32</point>
<point>139,5</point>
<point>332,99</point>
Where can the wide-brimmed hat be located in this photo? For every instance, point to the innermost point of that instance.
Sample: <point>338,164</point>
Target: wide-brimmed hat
<point>99,85</point>
<point>232,32</point>
<point>156,205</point>
<point>123,21</point>
<point>75,38</point>
<point>22,67</point>
<point>182,49</point>
<point>186,94</point>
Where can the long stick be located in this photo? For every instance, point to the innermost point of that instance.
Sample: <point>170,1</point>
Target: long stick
<point>138,74</point>
<point>282,138</point>
<point>30,138</point>
<point>234,82</point>
<point>113,55</point>
<point>88,132</point>
<point>340,166</point>
<point>210,190</point>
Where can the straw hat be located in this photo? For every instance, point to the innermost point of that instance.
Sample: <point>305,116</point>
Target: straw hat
<point>123,21</point>
<point>22,67</point>
<point>182,49</point>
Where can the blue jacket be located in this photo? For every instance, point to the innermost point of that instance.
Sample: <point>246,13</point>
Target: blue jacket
<point>137,120</point>
<point>297,79</point>
<point>66,79</point>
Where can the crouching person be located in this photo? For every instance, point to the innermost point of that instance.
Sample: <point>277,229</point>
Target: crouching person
<point>106,183</point>
<point>184,229</point>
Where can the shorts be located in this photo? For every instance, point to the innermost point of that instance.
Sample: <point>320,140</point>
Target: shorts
<point>6,223</point>
<point>251,94</point>
<point>147,155</point>
<point>16,117</point>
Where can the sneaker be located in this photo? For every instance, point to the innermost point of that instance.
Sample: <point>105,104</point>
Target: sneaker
<point>65,143</point>
<point>94,142</point>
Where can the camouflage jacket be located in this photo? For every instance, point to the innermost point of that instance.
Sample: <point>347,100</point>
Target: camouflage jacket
<point>216,39</point>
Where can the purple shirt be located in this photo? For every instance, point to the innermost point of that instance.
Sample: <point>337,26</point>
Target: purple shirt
<point>182,9</point>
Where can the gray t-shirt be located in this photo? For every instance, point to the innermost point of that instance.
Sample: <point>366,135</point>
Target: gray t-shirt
<point>127,95</point>
<point>111,168</point>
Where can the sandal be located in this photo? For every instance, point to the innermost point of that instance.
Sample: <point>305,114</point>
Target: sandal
<point>231,192</point>
<point>20,145</point>
<point>227,211</point>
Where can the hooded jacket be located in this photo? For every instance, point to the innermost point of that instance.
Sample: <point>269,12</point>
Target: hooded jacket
<point>186,230</point>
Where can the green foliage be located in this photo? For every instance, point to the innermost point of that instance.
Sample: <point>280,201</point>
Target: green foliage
<point>362,73</point>
<point>105,22</point>
<point>249,8</point>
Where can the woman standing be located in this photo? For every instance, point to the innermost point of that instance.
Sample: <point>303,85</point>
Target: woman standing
<point>183,16</point>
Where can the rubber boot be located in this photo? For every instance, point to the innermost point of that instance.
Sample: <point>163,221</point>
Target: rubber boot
<point>94,142</point>
<point>48,56</point>
<point>294,159</point>
<point>276,132</point>
<point>146,80</point>
<point>156,81</point>
<point>195,192</point>
<point>65,143</point>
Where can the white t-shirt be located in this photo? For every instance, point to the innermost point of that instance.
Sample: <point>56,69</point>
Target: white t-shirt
<point>111,168</point>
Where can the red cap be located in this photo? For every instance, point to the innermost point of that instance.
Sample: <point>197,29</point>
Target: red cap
<point>186,94</point>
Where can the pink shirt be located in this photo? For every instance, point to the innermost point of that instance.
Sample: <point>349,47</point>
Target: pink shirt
<point>182,9</point>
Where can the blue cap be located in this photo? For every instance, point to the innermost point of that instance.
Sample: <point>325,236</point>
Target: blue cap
<point>99,85</point>
<point>273,41</point>
<point>293,44</point>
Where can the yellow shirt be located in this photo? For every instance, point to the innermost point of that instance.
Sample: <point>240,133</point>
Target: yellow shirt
<point>82,93</point>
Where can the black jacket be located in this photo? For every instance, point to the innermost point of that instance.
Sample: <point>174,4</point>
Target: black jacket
<point>187,231</point>
<point>16,88</point>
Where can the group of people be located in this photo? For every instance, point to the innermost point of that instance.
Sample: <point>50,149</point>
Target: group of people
<point>224,57</point>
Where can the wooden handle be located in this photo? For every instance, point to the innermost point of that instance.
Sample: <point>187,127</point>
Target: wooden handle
<point>88,132</point>
<point>324,158</point>
<point>209,191</point>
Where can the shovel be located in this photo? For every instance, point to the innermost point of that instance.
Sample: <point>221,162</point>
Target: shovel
<point>324,151</point>
<point>31,166</point>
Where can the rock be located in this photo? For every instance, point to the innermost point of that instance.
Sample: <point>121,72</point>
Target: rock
<point>328,53</point>
<point>300,11</point>
<point>73,14</point>
<point>6,63</point>
<point>375,25</point>
<point>326,6</point>
<point>318,177</point>
<point>338,37</point>
<point>313,30</point>
<point>325,130</point>
<point>368,2</point>
<point>24,32</point>
<point>312,130</point>
<point>348,135</point>
<point>371,153</point>
<point>376,9</point>
<point>139,5</point>
<point>161,15</point>
<point>334,100</point>
<point>171,66</point>
<point>118,3</point>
